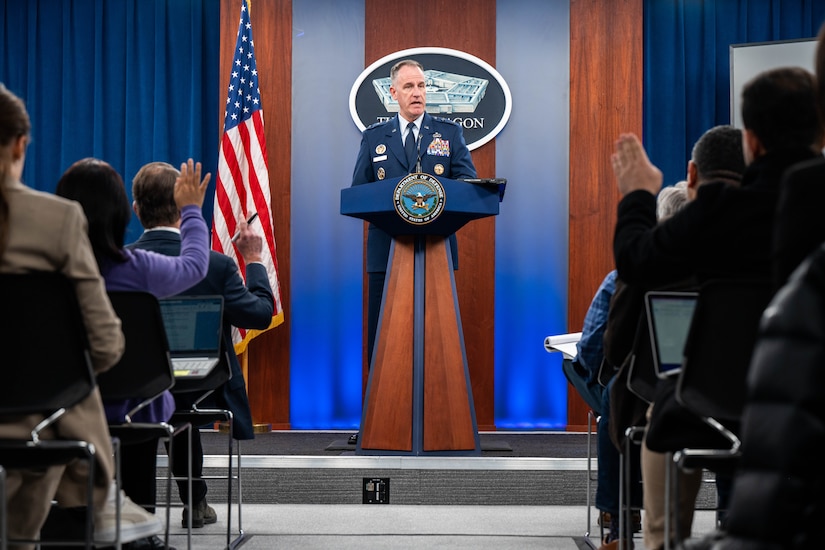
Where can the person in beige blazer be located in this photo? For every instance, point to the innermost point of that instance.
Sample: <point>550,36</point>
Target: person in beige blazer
<point>39,231</point>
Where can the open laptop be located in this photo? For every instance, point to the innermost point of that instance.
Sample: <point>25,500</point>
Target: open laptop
<point>669,315</point>
<point>193,329</point>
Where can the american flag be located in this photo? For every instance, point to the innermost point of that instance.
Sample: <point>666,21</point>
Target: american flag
<point>243,176</point>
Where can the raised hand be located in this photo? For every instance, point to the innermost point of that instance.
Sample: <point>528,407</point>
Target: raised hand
<point>632,168</point>
<point>189,188</point>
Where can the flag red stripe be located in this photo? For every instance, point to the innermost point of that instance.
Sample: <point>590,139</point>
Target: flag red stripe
<point>261,202</point>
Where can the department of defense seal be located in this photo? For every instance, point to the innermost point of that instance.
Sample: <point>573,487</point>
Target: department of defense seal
<point>419,198</point>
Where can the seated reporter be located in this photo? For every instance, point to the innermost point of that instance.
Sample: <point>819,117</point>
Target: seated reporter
<point>100,191</point>
<point>40,232</point>
<point>247,304</point>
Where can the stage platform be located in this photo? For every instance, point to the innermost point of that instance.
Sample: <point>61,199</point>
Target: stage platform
<point>302,467</point>
<point>300,493</point>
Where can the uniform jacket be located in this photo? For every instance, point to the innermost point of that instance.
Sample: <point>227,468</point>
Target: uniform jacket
<point>48,233</point>
<point>245,306</point>
<point>382,157</point>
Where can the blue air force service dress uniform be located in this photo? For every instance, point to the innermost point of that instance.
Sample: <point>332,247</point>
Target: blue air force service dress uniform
<point>442,152</point>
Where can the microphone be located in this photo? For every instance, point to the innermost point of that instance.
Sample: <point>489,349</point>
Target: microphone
<point>418,151</point>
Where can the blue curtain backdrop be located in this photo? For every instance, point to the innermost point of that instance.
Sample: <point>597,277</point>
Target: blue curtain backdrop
<point>127,81</point>
<point>687,65</point>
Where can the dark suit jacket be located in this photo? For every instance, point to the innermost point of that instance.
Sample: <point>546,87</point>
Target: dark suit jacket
<point>382,157</point>
<point>245,306</point>
<point>800,226</point>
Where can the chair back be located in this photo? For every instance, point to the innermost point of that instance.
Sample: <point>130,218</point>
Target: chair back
<point>46,364</point>
<point>642,379</point>
<point>145,370</point>
<point>719,347</point>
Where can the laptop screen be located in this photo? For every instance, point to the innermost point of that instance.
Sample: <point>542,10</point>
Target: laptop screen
<point>193,324</point>
<point>669,317</point>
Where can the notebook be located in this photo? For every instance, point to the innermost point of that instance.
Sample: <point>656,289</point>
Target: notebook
<point>193,329</point>
<point>669,315</point>
<point>565,343</point>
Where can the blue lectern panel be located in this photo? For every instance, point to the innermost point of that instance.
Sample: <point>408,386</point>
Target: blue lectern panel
<point>463,202</point>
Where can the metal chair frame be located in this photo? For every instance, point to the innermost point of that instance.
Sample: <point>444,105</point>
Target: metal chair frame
<point>736,306</point>
<point>197,416</point>
<point>633,436</point>
<point>591,418</point>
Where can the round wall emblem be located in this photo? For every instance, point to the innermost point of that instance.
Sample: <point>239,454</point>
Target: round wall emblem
<point>460,87</point>
<point>419,198</point>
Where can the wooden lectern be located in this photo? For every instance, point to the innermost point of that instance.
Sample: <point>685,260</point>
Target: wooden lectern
<point>419,398</point>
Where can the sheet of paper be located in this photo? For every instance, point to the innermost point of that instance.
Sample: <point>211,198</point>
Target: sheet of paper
<point>565,343</point>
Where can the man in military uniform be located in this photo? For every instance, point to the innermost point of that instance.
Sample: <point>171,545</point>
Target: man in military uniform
<point>413,141</point>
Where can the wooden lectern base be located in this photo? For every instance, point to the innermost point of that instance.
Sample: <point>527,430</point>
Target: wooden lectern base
<point>419,399</point>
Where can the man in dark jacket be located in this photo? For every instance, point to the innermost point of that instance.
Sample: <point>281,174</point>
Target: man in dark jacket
<point>726,232</point>
<point>800,226</point>
<point>777,497</point>
<point>246,305</point>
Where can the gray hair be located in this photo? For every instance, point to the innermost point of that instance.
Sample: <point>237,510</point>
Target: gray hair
<point>403,63</point>
<point>671,199</point>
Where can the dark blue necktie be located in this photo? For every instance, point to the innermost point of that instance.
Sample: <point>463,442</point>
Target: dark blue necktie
<point>409,146</point>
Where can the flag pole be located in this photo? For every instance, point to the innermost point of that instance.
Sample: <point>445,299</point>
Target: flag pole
<point>242,181</point>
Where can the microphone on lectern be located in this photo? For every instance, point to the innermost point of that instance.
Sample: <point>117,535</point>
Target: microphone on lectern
<point>418,152</point>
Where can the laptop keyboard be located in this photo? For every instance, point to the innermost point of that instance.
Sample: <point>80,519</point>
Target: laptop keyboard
<point>192,366</point>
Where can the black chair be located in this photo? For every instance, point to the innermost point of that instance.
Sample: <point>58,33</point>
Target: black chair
<point>195,391</point>
<point>712,383</point>
<point>144,373</point>
<point>3,537</point>
<point>641,381</point>
<point>641,378</point>
<point>44,379</point>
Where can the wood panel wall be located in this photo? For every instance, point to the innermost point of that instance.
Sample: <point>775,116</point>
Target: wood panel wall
<point>268,354</point>
<point>469,26</point>
<point>605,100</point>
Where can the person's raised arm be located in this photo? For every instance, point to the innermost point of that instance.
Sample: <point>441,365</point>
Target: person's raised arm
<point>189,188</point>
<point>632,168</point>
